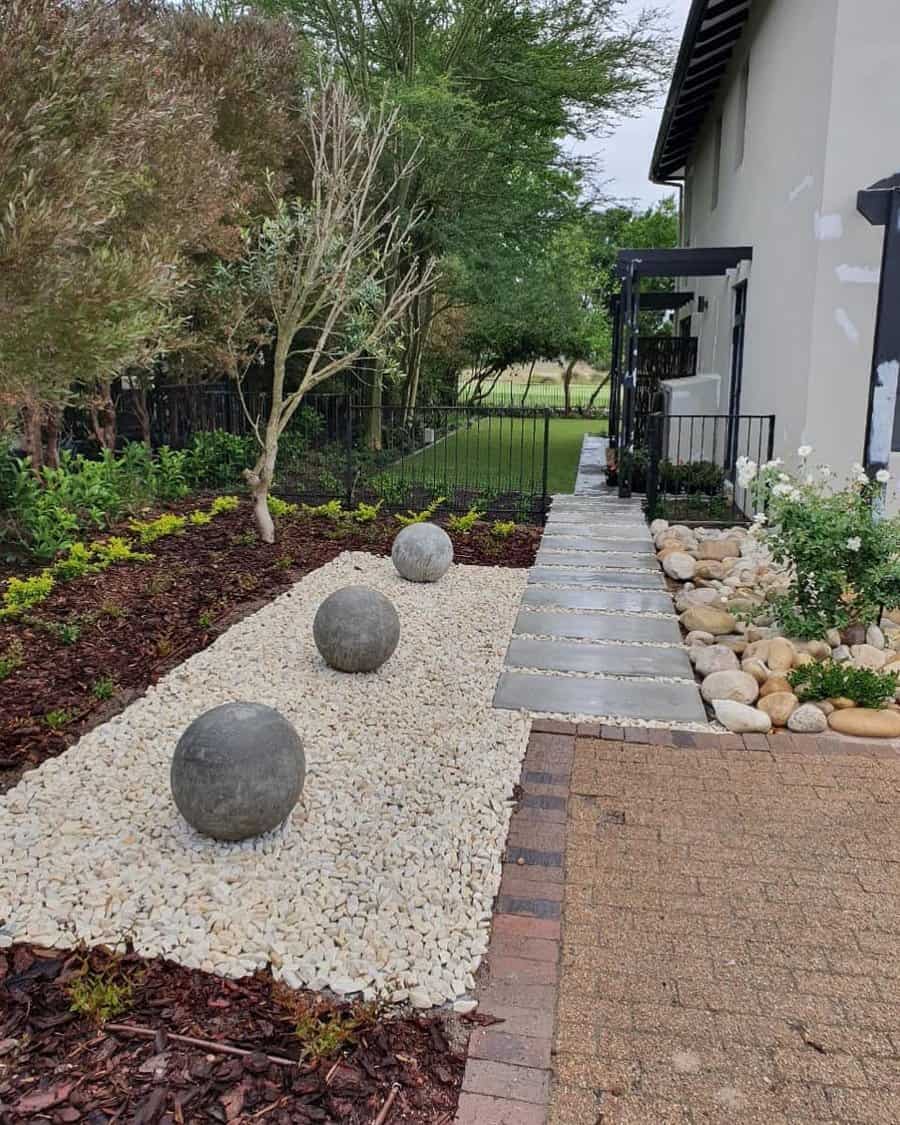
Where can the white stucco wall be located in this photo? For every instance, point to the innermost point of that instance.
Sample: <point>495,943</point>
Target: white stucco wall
<point>823,121</point>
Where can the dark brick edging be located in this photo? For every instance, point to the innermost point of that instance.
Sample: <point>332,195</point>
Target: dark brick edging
<point>507,1078</point>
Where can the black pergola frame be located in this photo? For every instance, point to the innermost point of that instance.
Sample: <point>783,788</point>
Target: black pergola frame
<point>631,267</point>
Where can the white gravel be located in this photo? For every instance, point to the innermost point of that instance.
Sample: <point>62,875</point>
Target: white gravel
<point>383,879</point>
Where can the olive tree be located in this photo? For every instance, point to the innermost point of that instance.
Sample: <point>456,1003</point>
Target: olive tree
<point>320,275</point>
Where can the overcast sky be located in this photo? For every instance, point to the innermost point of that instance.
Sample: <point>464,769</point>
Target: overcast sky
<point>626,154</point>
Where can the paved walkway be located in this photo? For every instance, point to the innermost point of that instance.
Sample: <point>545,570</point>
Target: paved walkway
<point>730,938</point>
<point>597,633</point>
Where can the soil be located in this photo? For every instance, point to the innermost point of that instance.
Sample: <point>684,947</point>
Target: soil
<point>136,621</point>
<point>58,1065</point>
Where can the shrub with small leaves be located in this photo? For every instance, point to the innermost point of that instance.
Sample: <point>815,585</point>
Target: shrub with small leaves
<point>464,523</point>
<point>57,718</point>
<point>832,680</point>
<point>223,504</point>
<point>23,593</point>
<point>502,529</point>
<point>76,563</point>
<point>200,518</point>
<point>411,517</point>
<point>103,688</point>
<point>279,507</point>
<point>100,996</point>
<point>118,550</point>
<point>333,510</point>
<point>366,513</point>
<point>151,530</point>
<point>11,659</point>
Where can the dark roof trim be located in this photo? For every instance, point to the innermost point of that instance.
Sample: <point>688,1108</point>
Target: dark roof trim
<point>713,29</point>
<point>695,261</point>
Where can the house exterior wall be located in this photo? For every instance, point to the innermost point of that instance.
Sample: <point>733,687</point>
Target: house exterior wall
<point>823,121</point>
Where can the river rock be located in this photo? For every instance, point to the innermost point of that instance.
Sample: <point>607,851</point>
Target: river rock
<point>853,635</point>
<point>698,637</point>
<point>833,637</point>
<point>709,569</point>
<point>688,598</point>
<point>841,654</point>
<point>866,723</point>
<point>774,684</point>
<point>656,526</point>
<point>741,719</point>
<point>713,658</point>
<point>808,719</point>
<point>780,654</point>
<point>841,703</point>
<point>779,706</point>
<point>708,619</point>
<point>875,637</point>
<point>734,685</point>
<point>867,656</point>
<point>824,705</point>
<point>679,565</point>
<point>754,667</point>
<point>818,650</point>
<point>719,549</point>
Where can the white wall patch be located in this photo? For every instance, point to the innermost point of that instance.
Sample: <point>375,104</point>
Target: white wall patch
<point>846,324</point>
<point>858,275</point>
<point>884,403</point>
<point>829,228</point>
<point>803,186</point>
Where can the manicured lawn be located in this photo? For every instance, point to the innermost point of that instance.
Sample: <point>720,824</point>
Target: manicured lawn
<point>504,454</point>
<point>544,394</point>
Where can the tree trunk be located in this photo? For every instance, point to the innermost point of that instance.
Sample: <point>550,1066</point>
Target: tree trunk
<point>567,385</point>
<point>528,382</point>
<point>32,438</point>
<point>51,436</point>
<point>259,481</point>
<point>103,416</point>
<point>373,421</point>
<point>142,410</point>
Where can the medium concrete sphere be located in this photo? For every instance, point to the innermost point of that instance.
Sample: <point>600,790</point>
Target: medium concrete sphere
<point>238,771</point>
<point>422,552</point>
<point>356,629</point>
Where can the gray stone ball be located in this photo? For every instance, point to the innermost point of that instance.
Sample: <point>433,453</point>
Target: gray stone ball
<point>422,552</point>
<point>238,771</point>
<point>356,629</point>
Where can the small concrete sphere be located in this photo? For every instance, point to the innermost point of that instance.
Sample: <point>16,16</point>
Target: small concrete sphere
<point>422,552</point>
<point>238,771</point>
<point>356,629</point>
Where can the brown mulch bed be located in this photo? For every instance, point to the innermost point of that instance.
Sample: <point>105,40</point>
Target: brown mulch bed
<point>58,1066</point>
<point>137,621</point>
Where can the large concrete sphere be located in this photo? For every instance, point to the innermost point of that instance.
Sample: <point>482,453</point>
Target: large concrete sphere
<point>238,771</point>
<point>422,552</point>
<point>356,629</point>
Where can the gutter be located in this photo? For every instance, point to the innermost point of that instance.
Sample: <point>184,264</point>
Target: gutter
<point>692,27</point>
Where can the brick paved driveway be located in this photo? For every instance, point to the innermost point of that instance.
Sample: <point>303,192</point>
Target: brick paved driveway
<point>731,938</point>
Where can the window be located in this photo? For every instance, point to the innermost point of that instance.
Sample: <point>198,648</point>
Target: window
<point>717,162</point>
<point>743,94</point>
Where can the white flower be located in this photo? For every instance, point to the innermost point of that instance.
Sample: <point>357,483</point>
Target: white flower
<point>854,543</point>
<point>746,471</point>
<point>776,464</point>
<point>882,476</point>
<point>825,470</point>
<point>783,477</point>
<point>863,478</point>
<point>783,488</point>
<point>761,518</point>
<point>856,468</point>
<point>804,451</point>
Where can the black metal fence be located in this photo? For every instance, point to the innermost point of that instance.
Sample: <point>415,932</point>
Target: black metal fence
<point>489,458</point>
<point>689,463</point>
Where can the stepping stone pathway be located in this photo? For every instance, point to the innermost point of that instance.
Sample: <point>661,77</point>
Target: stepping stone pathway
<point>597,632</point>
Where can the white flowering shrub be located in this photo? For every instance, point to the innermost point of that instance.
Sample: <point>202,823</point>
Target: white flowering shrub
<point>844,559</point>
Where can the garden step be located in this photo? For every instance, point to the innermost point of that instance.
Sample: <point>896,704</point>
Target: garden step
<point>604,560</point>
<point>611,601</point>
<point>598,626</point>
<point>587,576</point>
<point>592,695</point>
<point>603,532</point>
<point>596,543</point>
<point>618,660</point>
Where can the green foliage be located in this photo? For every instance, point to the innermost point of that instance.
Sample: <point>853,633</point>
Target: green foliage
<point>324,1030</point>
<point>843,556</point>
<point>216,458</point>
<point>426,514</point>
<point>11,659</point>
<point>118,550</point>
<point>58,718</point>
<point>691,477</point>
<point>199,518</point>
<point>100,996</point>
<point>333,510</point>
<point>366,513</point>
<point>103,688</point>
<point>66,632</point>
<point>832,680</point>
<point>503,529</point>
<point>78,562</point>
<point>223,504</point>
<point>464,524</point>
<point>151,530</point>
<point>23,593</point>
<point>280,508</point>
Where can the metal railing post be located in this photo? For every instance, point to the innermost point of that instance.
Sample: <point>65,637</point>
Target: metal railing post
<point>771,445</point>
<point>654,450</point>
<point>545,471</point>
<point>348,449</point>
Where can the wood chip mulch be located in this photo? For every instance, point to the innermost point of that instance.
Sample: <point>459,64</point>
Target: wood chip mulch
<point>130,624</point>
<point>59,1066</point>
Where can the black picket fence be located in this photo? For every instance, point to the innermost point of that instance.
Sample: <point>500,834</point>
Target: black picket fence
<point>688,465</point>
<point>488,458</point>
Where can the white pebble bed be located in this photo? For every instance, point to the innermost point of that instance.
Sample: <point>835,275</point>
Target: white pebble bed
<point>382,880</point>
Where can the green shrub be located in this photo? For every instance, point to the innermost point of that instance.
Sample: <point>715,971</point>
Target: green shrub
<point>23,593</point>
<point>117,550</point>
<point>78,562</point>
<point>831,680</point>
<point>333,510</point>
<point>103,688</point>
<point>464,523</point>
<point>426,514</point>
<point>223,504</point>
<point>216,458</point>
<point>279,507</point>
<point>199,518</point>
<point>58,718</point>
<point>151,530</point>
<point>502,529</point>
<point>366,513</point>
<point>99,996</point>
<point>11,659</point>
